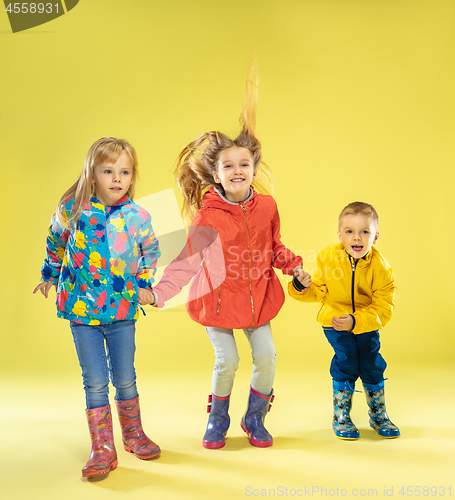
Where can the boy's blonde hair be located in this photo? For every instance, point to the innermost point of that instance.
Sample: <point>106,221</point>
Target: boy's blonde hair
<point>197,162</point>
<point>359,207</point>
<point>105,150</point>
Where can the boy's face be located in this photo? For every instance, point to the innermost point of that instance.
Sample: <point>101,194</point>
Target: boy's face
<point>357,233</point>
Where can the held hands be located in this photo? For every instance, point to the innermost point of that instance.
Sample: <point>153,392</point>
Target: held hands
<point>44,287</point>
<point>343,323</point>
<point>304,278</point>
<point>145,297</point>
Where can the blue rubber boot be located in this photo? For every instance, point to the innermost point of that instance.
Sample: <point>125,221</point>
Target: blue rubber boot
<point>218,425</point>
<point>253,420</point>
<point>379,420</point>
<point>342,425</point>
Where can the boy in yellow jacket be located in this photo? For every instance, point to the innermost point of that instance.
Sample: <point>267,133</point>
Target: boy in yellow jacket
<point>355,285</point>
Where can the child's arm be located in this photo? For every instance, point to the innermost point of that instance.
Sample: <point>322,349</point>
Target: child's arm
<point>149,252</point>
<point>57,239</point>
<point>283,258</point>
<point>202,250</point>
<point>379,312</point>
<point>317,289</point>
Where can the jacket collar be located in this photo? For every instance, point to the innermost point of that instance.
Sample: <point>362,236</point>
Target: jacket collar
<point>234,202</point>
<point>366,258</point>
<point>119,203</point>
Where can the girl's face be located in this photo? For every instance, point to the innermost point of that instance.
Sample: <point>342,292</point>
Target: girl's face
<point>112,180</point>
<point>235,172</point>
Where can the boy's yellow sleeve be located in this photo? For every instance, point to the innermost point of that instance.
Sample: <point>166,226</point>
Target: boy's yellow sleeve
<point>379,312</point>
<point>317,290</point>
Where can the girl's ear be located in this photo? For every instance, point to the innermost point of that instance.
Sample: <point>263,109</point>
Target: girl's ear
<point>216,177</point>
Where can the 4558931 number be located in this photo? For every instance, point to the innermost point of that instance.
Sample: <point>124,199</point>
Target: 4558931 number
<point>32,8</point>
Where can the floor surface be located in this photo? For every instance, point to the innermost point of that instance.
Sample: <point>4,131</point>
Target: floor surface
<point>45,443</point>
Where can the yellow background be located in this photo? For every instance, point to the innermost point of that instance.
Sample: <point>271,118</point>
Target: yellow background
<point>356,103</point>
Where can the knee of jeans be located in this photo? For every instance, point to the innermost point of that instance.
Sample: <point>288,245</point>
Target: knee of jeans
<point>267,358</point>
<point>227,366</point>
<point>96,387</point>
<point>125,385</point>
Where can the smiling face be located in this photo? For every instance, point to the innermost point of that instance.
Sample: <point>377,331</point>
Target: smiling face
<point>112,180</point>
<point>235,172</point>
<point>358,233</point>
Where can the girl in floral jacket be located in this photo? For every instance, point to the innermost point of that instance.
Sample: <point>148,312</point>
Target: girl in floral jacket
<point>101,257</point>
<point>239,288</point>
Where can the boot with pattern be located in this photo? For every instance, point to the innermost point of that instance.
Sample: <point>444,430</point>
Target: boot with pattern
<point>379,420</point>
<point>253,420</point>
<point>103,457</point>
<point>134,439</point>
<point>218,424</point>
<point>342,425</point>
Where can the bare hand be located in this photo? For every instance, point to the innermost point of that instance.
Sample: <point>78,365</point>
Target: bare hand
<point>145,297</point>
<point>343,323</point>
<point>304,278</point>
<point>44,287</point>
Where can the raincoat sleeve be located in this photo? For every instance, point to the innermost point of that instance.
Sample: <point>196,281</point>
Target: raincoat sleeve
<point>283,258</point>
<point>149,252</point>
<point>202,253</point>
<point>379,312</point>
<point>57,238</point>
<point>318,289</point>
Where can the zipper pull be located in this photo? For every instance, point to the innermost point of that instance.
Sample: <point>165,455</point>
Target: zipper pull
<point>243,207</point>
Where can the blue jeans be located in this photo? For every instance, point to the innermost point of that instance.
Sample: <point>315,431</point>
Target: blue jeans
<point>98,360</point>
<point>356,356</point>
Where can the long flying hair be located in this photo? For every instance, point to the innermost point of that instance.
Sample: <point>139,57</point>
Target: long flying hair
<point>105,150</point>
<point>197,162</point>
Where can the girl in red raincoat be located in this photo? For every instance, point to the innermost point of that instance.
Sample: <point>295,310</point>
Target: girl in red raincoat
<point>235,233</point>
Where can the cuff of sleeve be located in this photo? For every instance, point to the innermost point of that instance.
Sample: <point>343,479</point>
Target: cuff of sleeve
<point>297,285</point>
<point>141,283</point>
<point>353,324</point>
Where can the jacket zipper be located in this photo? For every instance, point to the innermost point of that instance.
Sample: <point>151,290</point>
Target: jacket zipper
<point>353,267</point>
<point>219,300</point>
<point>249,265</point>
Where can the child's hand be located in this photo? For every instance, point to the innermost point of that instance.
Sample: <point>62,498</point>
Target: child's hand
<point>44,287</point>
<point>145,297</point>
<point>304,278</point>
<point>343,323</point>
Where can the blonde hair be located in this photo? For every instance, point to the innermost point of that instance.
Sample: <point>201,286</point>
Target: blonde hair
<point>105,150</point>
<point>197,162</point>
<point>359,207</point>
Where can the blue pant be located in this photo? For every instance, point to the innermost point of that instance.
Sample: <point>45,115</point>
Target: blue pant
<point>103,350</point>
<point>356,356</point>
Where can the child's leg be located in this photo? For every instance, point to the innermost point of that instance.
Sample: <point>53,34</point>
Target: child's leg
<point>345,371</point>
<point>371,363</point>
<point>121,347</point>
<point>226,360</point>
<point>89,342</point>
<point>120,340</point>
<point>261,393</point>
<point>226,364</point>
<point>264,358</point>
<point>345,362</point>
<point>372,367</point>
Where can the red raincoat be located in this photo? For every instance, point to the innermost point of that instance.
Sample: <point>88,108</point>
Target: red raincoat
<point>243,291</point>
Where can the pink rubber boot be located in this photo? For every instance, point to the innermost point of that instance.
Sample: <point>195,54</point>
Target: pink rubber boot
<point>103,457</point>
<point>134,439</point>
